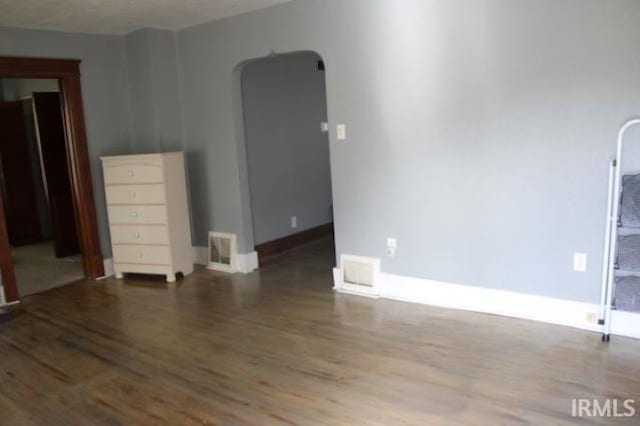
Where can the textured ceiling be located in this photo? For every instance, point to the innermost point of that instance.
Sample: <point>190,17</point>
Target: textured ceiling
<point>120,16</point>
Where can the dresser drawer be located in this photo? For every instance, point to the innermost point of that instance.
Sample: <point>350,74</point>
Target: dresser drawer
<point>132,173</point>
<point>136,194</point>
<point>151,255</point>
<point>134,215</point>
<point>138,234</point>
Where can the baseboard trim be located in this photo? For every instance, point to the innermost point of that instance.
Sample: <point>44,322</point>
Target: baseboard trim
<point>497,302</point>
<point>3,299</point>
<point>625,324</point>
<point>245,263</point>
<point>272,248</point>
<point>108,268</point>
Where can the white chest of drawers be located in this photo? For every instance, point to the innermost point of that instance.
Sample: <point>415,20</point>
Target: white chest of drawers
<point>148,214</point>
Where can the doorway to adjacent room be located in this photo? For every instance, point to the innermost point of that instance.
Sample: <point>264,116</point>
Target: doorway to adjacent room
<point>53,152</point>
<point>284,107</point>
<point>35,186</point>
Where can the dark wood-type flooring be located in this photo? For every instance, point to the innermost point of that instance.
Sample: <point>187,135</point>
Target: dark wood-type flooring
<point>280,347</point>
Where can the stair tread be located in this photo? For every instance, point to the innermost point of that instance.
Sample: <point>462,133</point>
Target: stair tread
<point>626,230</point>
<point>626,274</point>
<point>627,293</point>
<point>626,310</point>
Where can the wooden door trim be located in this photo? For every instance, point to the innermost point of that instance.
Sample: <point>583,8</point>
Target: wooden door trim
<point>67,72</point>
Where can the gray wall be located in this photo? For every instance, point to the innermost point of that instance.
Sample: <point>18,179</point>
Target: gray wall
<point>104,91</point>
<point>18,88</point>
<point>284,100</point>
<point>479,132</point>
<point>156,110</point>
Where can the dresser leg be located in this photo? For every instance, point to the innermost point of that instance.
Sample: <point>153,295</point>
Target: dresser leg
<point>119,275</point>
<point>171,278</point>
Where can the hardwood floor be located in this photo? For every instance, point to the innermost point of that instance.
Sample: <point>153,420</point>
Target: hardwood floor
<point>280,347</point>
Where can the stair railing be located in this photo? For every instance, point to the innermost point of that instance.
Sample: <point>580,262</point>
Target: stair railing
<point>607,245</point>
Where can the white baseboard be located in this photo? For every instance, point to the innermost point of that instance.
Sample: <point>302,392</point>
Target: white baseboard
<point>625,324</point>
<point>108,268</point>
<point>498,302</point>
<point>245,263</point>
<point>3,299</point>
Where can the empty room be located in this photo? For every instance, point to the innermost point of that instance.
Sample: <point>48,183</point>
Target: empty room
<point>337,212</point>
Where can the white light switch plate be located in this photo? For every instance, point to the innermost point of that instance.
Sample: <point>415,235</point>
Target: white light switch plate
<point>341,132</point>
<point>580,262</point>
<point>392,245</point>
<point>294,221</point>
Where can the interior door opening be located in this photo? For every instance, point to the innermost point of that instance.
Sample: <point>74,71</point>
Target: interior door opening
<point>284,108</point>
<point>36,187</point>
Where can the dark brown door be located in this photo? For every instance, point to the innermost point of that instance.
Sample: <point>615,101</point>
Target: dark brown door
<point>16,177</point>
<point>56,173</point>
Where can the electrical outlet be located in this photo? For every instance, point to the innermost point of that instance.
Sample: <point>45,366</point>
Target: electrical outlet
<point>294,221</point>
<point>341,132</point>
<point>580,262</point>
<point>592,318</point>
<point>392,246</point>
<point>324,127</point>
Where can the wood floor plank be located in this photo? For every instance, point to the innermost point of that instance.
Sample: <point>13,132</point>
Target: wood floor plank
<point>280,347</point>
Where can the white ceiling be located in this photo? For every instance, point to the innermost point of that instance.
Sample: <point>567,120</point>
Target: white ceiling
<point>120,16</point>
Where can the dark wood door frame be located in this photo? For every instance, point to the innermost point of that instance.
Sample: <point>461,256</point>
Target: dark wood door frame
<point>67,72</point>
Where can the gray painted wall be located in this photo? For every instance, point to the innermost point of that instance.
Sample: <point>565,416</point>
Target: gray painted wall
<point>156,111</point>
<point>104,90</point>
<point>478,131</point>
<point>284,100</point>
<point>18,88</point>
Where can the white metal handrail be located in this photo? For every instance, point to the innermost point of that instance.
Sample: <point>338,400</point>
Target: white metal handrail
<point>607,245</point>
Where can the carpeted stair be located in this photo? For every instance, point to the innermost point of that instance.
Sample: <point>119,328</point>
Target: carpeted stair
<point>627,282</point>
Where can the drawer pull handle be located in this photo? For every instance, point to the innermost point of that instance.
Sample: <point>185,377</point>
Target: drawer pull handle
<point>139,255</point>
<point>130,173</point>
<point>133,214</point>
<point>132,194</point>
<point>137,235</point>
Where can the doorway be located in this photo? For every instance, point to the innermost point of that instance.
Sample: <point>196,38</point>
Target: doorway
<point>284,108</point>
<point>67,101</point>
<point>35,186</point>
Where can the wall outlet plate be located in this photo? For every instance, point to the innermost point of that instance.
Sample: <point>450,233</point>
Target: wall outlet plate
<point>294,221</point>
<point>341,132</point>
<point>392,245</point>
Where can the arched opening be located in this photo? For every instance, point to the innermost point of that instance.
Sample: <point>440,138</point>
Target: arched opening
<point>280,107</point>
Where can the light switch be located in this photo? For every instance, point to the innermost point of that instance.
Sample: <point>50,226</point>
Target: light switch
<point>341,132</point>
<point>392,245</point>
<point>580,262</point>
<point>324,127</point>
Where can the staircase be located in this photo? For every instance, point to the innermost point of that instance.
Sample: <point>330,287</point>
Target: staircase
<point>621,261</point>
<point>626,295</point>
